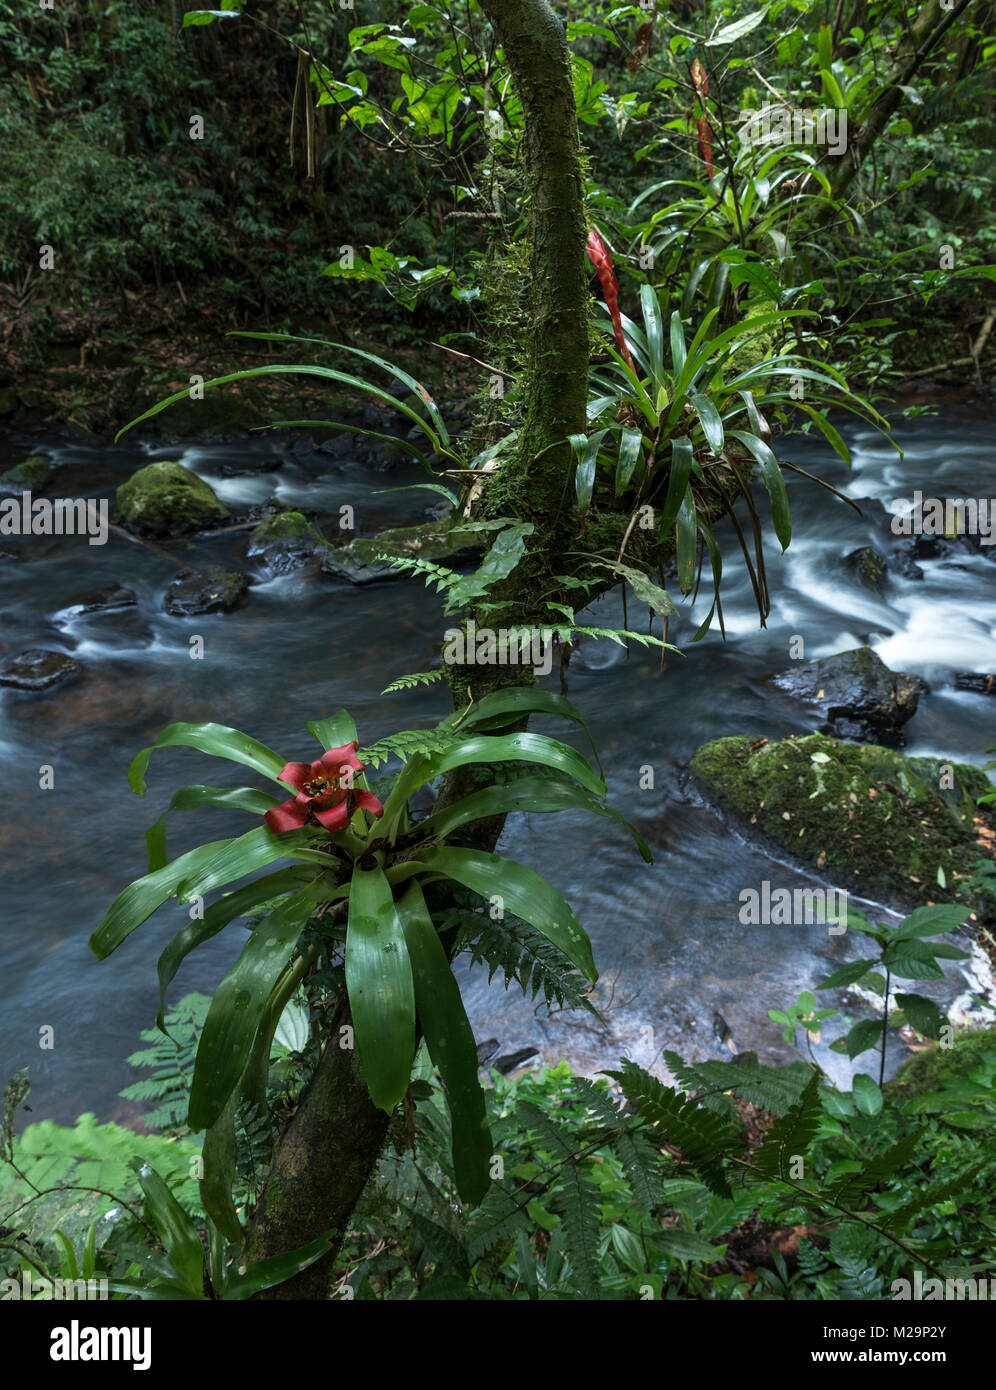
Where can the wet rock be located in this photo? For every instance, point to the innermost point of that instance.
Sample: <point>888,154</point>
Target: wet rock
<point>166,499</point>
<point>857,694</point>
<point>359,563</point>
<point>101,601</point>
<point>214,590</point>
<point>866,817</point>
<point>38,669</point>
<point>250,467</point>
<point>285,541</point>
<point>32,474</point>
<point>869,567</point>
<point>976,681</point>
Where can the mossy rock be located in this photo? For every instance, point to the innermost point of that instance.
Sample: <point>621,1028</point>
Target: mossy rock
<point>870,568</point>
<point>285,541</point>
<point>935,1066</point>
<point>166,499</point>
<point>358,561</point>
<point>34,472</point>
<point>868,818</point>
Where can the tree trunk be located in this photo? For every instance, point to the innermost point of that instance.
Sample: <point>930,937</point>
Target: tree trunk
<point>331,1147</point>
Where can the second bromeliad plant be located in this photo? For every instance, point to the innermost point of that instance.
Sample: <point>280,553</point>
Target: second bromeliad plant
<point>351,853</point>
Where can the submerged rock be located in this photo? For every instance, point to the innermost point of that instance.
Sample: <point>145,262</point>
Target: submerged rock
<point>39,669</point>
<point>359,563</point>
<point>857,694</point>
<point>109,600</point>
<point>285,541</point>
<point>32,473</point>
<point>976,681</point>
<point>872,820</point>
<point>166,499</point>
<point>870,568</point>
<point>213,590</point>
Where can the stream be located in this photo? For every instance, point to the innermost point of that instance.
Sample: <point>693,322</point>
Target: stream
<point>667,937</point>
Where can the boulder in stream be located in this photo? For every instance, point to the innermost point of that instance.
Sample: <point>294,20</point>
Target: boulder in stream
<point>39,669</point>
<point>109,600</point>
<point>213,590</point>
<point>979,682</point>
<point>358,561</point>
<point>33,474</point>
<point>286,541</point>
<point>857,694</point>
<point>899,829</point>
<point>166,499</point>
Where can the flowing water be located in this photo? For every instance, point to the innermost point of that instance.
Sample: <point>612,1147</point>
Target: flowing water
<point>667,937</point>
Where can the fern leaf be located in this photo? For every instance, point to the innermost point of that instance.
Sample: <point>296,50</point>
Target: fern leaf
<point>792,1134</point>
<point>879,1170</point>
<point>415,678</point>
<point>582,1220</point>
<point>775,1089</point>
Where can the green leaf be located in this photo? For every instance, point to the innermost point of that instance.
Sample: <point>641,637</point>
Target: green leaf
<point>683,1245</point>
<point>586,450</point>
<point>929,921</point>
<point>534,794</point>
<point>193,17</point>
<point>505,706</point>
<point>218,1155</point>
<point>773,481</point>
<point>657,599</point>
<point>655,333</point>
<point>866,1093</point>
<point>686,548</point>
<point>450,1040</point>
<point>253,850</point>
<point>709,417</point>
<point>682,456</point>
<point>847,974</point>
<point>238,1005</point>
<point>218,740</point>
<point>381,989</point>
<point>136,903</point>
<point>912,960</point>
<point>179,1234</point>
<point>730,33</point>
<point>266,1274</point>
<point>335,732</point>
<point>629,452</point>
<point>522,891</point>
<point>189,798</point>
<point>678,351</point>
<point>864,1035</point>
<point>922,1013</point>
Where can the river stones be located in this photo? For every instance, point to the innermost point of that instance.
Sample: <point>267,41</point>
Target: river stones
<point>213,590</point>
<point>874,570</point>
<point>38,669</point>
<point>285,541</point>
<point>977,681</point>
<point>33,473</point>
<point>110,600</point>
<point>899,829</point>
<point>166,499</point>
<point>359,563</point>
<point>857,695</point>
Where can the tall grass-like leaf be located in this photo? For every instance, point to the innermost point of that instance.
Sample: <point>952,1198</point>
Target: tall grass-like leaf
<point>450,1040</point>
<point>266,1274</point>
<point>682,456</point>
<point>584,478</point>
<point>686,547</point>
<point>178,1232</point>
<point>217,739</point>
<point>522,891</point>
<point>709,418</point>
<point>679,353</point>
<point>655,333</point>
<point>381,989</point>
<point>773,481</point>
<point>629,452</point>
<point>238,1005</point>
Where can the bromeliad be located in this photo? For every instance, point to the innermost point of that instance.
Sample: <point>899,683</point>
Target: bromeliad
<point>325,793</point>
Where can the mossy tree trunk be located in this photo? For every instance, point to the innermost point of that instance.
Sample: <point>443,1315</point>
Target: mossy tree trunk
<point>331,1146</point>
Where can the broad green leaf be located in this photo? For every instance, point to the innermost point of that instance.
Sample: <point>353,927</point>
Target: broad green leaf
<point>629,452</point>
<point>929,921</point>
<point>505,706</point>
<point>136,903</point>
<point>683,1245</point>
<point>847,974</point>
<point>655,334</point>
<point>586,450</point>
<point>334,732</point>
<point>657,599</point>
<point>381,990</point>
<point>730,33</point>
<point>450,1040</point>
<point>195,17</point>
<point>266,1274</point>
<point>678,351</point>
<point>682,455</point>
<point>537,794</point>
<point>712,425</point>
<point>238,1005</point>
<point>522,891</point>
<point>189,798</point>
<point>866,1094</point>
<point>922,1013</point>
<point>686,548</point>
<point>253,850</point>
<point>218,1155</point>
<point>177,1231</point>
<point>218,740</point>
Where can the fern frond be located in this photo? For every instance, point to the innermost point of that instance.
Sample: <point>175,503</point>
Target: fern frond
<point>413,679</point>
<point>879,1170</point>
<point>432,573</point>
<point>643,1167</point>
<point>775,1089</point>
<point>930,1197</point>
<point>407,744</point>
<point>792,1134</point>
<point>582,1223</point>
<point>524,955</point>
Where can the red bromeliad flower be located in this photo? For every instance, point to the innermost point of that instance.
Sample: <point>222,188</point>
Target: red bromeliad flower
<point>325,793</point>
<point>599,256</point>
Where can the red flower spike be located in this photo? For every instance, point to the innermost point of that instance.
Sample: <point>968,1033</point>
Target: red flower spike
<point>325,793</point>
<point>701,81</point>
<point>599,256</point>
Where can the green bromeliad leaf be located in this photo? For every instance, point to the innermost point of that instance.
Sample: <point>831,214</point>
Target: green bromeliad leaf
<point>381,989</point>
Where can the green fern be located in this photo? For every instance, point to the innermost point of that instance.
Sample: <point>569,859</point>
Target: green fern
<point>790,1135</point>
<point>524,955</point>
<point>409,743</point>
<point>171,1062</point>
<point>775,1089</point>
<point>410,681</point>
<point>432,573</point>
